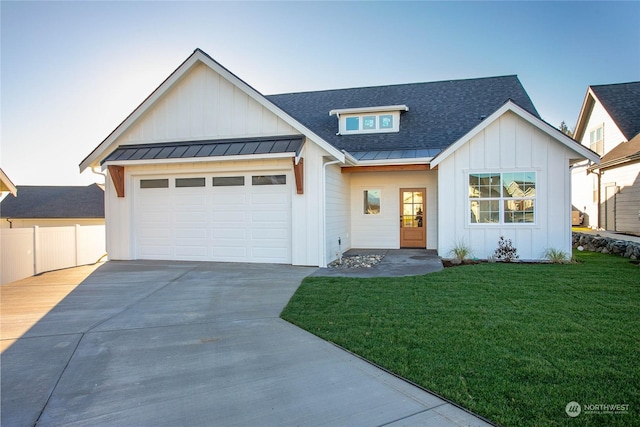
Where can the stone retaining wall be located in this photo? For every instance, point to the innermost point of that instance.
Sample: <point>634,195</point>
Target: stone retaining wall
<point>606,245</point>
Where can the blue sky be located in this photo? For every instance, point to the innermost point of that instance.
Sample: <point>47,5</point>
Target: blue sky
<point>72,71</point>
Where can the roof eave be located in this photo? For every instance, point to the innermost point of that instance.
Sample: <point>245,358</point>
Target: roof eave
<point>198,56</point>
<point>6,184</point>
<point>570,143</point>
<point>184,160</point>
<point>394,162</point>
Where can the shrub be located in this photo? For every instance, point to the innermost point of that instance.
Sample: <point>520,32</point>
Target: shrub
<point>460,251</point>
<point>505,251</point>
<point>556,256</point>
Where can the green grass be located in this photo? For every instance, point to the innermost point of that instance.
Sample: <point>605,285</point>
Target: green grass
<point>511,342</point>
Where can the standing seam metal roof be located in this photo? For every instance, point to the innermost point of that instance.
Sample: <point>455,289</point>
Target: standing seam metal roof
<point>207,148</point>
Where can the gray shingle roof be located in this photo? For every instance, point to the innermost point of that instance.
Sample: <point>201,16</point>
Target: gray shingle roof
<point>439,112</point>
<point>208,148</point>
<point>36,201</point>
<point>622,101</point>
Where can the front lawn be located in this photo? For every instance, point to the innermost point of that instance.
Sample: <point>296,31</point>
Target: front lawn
<point>514,343</point>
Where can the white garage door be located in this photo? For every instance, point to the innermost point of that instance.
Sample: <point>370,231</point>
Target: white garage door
<point>237,217</point>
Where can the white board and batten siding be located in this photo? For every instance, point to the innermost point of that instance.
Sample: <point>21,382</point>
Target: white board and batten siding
<point>382,231</point>
<point>204,105</point>
<point>509,144</point>
<point>337,215</point>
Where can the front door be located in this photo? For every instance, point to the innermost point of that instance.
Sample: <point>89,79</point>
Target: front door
<point>412,218</point>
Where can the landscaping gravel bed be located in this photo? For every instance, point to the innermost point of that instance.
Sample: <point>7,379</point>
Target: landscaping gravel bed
<point>357,261</point>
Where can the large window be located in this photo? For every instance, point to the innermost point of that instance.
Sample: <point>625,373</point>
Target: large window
<point>502,198</point>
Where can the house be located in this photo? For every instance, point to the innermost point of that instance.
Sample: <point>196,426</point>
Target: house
<point>208,168</point>
<point>6,186</point>
<point>53,206</point>
<point>608,194</point>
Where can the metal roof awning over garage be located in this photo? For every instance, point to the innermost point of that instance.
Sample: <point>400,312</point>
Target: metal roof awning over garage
<point>207,148</point>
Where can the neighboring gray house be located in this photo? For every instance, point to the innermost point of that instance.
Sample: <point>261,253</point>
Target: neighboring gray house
<point>207,168</point>
<point>53,206</point>
<point>608,194</point>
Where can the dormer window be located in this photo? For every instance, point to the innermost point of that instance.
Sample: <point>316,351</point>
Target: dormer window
<point>369,120</point>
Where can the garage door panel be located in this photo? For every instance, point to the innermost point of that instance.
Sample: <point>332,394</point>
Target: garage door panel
<point>231,215</point>
<point>269,254</point>
<point>230,254</point>
<point>242,223</point>
<point>229,233</point>
<point>192,252</point>
<point>276,218</point>
<point>269,233</point>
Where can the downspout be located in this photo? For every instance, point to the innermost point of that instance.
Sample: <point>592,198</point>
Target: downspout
<point>599,198</point>
<point>10,223</point>
<point>323,213</point>
<point>99,173</point>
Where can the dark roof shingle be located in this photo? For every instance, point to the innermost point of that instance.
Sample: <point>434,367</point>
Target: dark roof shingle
<point>622,102</point>
<point>38,201</point>
<point>439,112</point>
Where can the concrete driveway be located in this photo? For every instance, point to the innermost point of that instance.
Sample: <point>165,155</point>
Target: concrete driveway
<point>179,343</point>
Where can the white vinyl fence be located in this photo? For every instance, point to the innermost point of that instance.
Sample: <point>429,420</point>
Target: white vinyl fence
<point>26,252</point>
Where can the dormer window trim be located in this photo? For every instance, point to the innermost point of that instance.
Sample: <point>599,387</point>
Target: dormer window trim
<point>364,120</point>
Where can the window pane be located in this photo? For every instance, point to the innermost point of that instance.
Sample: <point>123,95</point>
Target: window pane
<point>228,181</point>
<point>485,211</point>
<point>189,182</point>
<point>386,121</point>
<point>369,122</point>
<point>353,123</point>
<point>519,184</point>
<point>518,211</point>
<point>484,185</point>
<point>154,183</point>
<point>269,180</point>
<point>371,202</point>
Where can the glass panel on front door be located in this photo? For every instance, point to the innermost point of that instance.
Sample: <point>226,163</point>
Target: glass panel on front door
<point>412,209</point>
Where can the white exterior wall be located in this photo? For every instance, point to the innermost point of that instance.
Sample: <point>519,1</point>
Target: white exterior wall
<point>582,183</point>
<point>508,144</point>
<point>204,105</point>
<point>307,211</point>
<point>337,216</point>
<point>383,231</point>
<point>626,203</point>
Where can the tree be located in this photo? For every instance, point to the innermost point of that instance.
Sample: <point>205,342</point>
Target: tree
<point>565,129</point>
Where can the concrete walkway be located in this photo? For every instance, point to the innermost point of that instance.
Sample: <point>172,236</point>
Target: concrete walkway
<point>396,263</point>
<point>171,343</point>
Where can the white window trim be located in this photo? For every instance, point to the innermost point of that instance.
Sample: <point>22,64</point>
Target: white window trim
<point>501,200</point>
<point>345,113</point>
<point>597,142</point>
